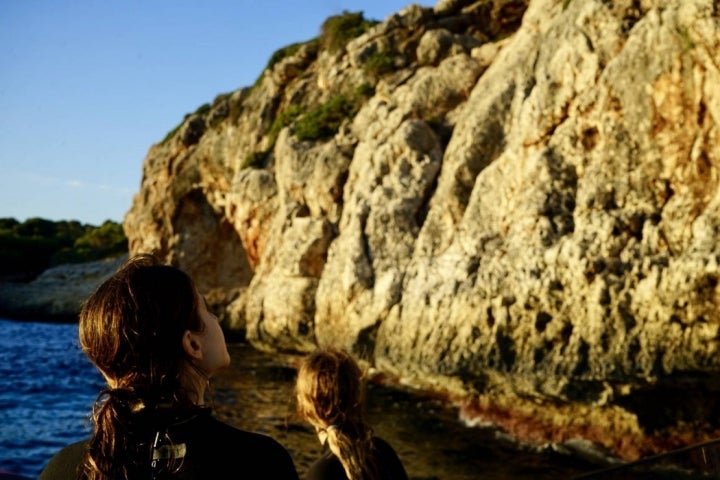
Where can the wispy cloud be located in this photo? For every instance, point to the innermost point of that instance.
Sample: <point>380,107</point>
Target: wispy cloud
<point>79,184</point>
<point>49,181</point>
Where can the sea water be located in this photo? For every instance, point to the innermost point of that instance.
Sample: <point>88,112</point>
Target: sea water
<point>47,389</point>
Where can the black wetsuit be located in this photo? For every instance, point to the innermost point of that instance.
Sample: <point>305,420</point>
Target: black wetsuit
<point>328,467</point>
<point>212,449</point>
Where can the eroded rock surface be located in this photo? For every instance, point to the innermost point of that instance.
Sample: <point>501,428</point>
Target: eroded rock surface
<point>522,212</point>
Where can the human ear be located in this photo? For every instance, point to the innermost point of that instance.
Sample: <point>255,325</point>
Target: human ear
<point>192,345</point>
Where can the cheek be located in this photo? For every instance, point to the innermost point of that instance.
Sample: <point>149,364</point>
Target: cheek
<point>224,349</point>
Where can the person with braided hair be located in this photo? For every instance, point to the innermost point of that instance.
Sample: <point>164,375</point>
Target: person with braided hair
<point>330,394</point>
<point>149,332</point>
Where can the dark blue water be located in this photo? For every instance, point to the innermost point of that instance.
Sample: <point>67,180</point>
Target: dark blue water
<point>47,388</point>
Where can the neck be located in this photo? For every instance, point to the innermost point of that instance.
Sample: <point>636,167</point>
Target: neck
<point>196,383</point>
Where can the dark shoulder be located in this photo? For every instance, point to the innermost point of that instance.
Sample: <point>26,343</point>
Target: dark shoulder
<point>382,444</point>
<point>383,448</point>
<point>218,430</point>
<point>223,447</point>
<point>389,461</point>
<point>64,464</point>
<point>327,467</point>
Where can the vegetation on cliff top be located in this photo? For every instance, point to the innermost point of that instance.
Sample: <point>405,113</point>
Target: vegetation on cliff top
<point>318,122</point>
<point>30,247</point>
<point>338,30</point>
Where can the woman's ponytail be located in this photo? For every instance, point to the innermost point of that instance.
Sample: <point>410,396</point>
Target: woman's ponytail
<point>355,454</point>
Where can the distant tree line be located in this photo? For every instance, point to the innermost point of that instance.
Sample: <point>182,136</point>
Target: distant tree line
<point>30,247</point>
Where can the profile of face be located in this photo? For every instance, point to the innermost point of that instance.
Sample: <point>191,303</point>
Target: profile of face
<point>207,347</point>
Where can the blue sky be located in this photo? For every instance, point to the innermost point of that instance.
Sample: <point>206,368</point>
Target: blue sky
<point>87,86</point>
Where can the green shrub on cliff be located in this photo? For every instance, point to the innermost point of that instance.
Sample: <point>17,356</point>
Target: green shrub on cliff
<point>282,53</point>
<point>283,119</point>
<point>378,64</point>
<point>319,123</point>
<point>324,121</point>
<point>203,109</point>
<point>338,30</point>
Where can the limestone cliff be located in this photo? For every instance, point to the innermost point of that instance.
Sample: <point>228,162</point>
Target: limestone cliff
<point>517,204</point>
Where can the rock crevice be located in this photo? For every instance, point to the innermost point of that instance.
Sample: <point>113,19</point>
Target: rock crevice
<point>513,202</point>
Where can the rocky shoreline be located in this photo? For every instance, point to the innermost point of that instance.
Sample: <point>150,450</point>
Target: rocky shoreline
<point>57,293</point>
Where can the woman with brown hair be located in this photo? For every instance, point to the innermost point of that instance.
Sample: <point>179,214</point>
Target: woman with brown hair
<point>149,332</point>
<point>330,394</point>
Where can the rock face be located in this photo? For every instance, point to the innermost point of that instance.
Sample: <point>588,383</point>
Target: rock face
<point>523,213</point>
